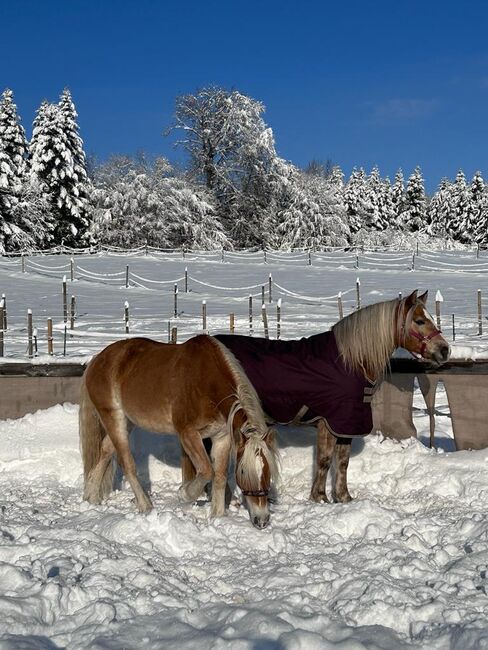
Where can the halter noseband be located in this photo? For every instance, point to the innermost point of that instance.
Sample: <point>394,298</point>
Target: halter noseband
<point>255,493</point>
<point>424,339</point>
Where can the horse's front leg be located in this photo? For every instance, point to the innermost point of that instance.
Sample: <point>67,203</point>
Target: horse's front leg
<point>192,444</point>
<point>326,443</point>
<point>220,453</point>
<point>342,453</point>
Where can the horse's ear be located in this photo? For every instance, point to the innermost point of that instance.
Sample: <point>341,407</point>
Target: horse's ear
<point>423,297</point>
<point>411,299</point>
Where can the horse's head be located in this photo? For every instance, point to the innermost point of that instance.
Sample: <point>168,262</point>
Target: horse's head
<point>419,334</point>
<point>256,467</point>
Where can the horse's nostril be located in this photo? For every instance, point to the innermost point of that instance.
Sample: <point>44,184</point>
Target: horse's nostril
<point>445,351</point>
<point>260,523</point>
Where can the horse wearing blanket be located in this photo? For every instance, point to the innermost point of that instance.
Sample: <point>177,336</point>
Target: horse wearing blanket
<point>329,379</point>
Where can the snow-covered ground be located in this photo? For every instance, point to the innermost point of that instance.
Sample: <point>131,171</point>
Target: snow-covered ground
<point>403,565</point>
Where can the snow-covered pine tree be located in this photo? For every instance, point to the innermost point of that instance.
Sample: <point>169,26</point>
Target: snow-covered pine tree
<point>387,208</point>
<point>459,226</point>
<point>58,162</point>
<point>478,215</point>
<point>12,134</point>
<point>375,201</point>
<point>398,197</point>
<point>413,215</point>
<point>336,177</point>
<point>355,200</point>
<point>439,210</point>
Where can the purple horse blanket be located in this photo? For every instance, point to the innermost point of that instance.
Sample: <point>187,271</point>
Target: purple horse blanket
<point>305,379</point>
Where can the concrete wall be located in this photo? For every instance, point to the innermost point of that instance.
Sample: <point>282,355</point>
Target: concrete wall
<point>22,395</point>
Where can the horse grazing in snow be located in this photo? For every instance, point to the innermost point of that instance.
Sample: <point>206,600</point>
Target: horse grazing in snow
<point>196,390</point>
<point>329,379</point>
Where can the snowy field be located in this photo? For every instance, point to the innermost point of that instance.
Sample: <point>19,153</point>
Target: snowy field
<point>402,566</point>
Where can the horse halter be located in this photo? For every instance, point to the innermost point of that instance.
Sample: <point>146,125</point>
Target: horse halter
<point>423,338</point>
<point>255,493</point>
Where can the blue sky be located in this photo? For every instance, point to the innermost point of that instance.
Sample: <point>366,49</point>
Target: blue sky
<point>361,82</point>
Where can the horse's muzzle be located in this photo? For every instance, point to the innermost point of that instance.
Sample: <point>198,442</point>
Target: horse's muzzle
<point>261,521</point>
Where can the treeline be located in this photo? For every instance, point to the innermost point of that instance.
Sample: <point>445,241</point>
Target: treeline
<point>234,191</point>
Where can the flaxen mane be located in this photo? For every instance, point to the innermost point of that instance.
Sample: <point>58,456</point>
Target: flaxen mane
<point>367,338</point>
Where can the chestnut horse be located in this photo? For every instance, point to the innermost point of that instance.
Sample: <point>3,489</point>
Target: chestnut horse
<point>196,390</point>
<point>330,378</point>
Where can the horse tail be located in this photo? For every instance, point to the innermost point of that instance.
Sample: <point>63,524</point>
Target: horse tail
<point>92,434</point>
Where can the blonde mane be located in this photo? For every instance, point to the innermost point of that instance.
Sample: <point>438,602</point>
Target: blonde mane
<point>367,338</point>
<point>248,400</point>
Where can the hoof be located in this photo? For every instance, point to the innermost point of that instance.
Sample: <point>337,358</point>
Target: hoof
<point>319,498</point>
<point>342,498</point>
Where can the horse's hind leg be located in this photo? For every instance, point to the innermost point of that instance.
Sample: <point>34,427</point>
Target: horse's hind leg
<point>99,481</point>
<point>115,424</point>
<point>326,443</point>
<point>192,443</point>
<point>342,453</point>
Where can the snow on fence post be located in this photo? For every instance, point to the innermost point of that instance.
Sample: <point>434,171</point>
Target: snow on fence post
<point>270,289</point>
<point>438,300</point>
<point>72,269</point>
<point>264,315</point>
<point>50,336</point>
<point>2,325</point>
<point>480,315</point>
<point>250,315</point>
<point>30,349</point>
<point>4,300</point>
<point>399,295</point>
<point>278,318</point>
<point>127,276</point>
<point>126,316</point>
<point>232,319</point>
<point>204,316</point>
<point>175,296</point>
<point>174,335</point>
<point>72,314</point>
<point>358,294</point>
<point>453,329</point>
<point>339,305</point>
<point>22,259</point>
<point>65,301</point>
<point>186,279</point>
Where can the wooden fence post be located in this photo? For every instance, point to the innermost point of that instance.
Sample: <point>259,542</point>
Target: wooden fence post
<point>72,313</point>
<point>169,331</point>
<point>72,269</point>
<point>264,315</point>
<point>2,326</point>
<point>222,257</point>
<point>126,316</point>
<point>204,316</point>
<point>174,335</point>
<point>278,318</point>
<point>35,341</point>
<point>270,289</point>
<point>186,279</point>
<point>480,314</point>
<point>453,329</point>
<point>262,294</point>
<point>339,305</point>
<point>50,336</point>
<point>232,323</point>
<point>357,260</point>
<point>250,315</point>
<point>30,349</point>
<point>65,301</point>
<point>4,299</point>
<point>309,258</point>
<point>175,294</point>
<point>358,294</point>
<point>438,300</point>
<point>23,262</point>
<point>127,276</point>
<point>264,256</point>
<point>413,262</point>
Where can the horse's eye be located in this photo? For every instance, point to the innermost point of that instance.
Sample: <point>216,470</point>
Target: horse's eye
<point>419,321</point>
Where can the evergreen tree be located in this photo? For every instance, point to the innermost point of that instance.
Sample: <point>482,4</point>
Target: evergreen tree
<point>58,162</point>
<point>355,200</point>
<point>413,215</point>
<point>478,216</point>
<point>439,210</point>
<point>12,134</point>
<point>398,197</point>
<point>459,226</point>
